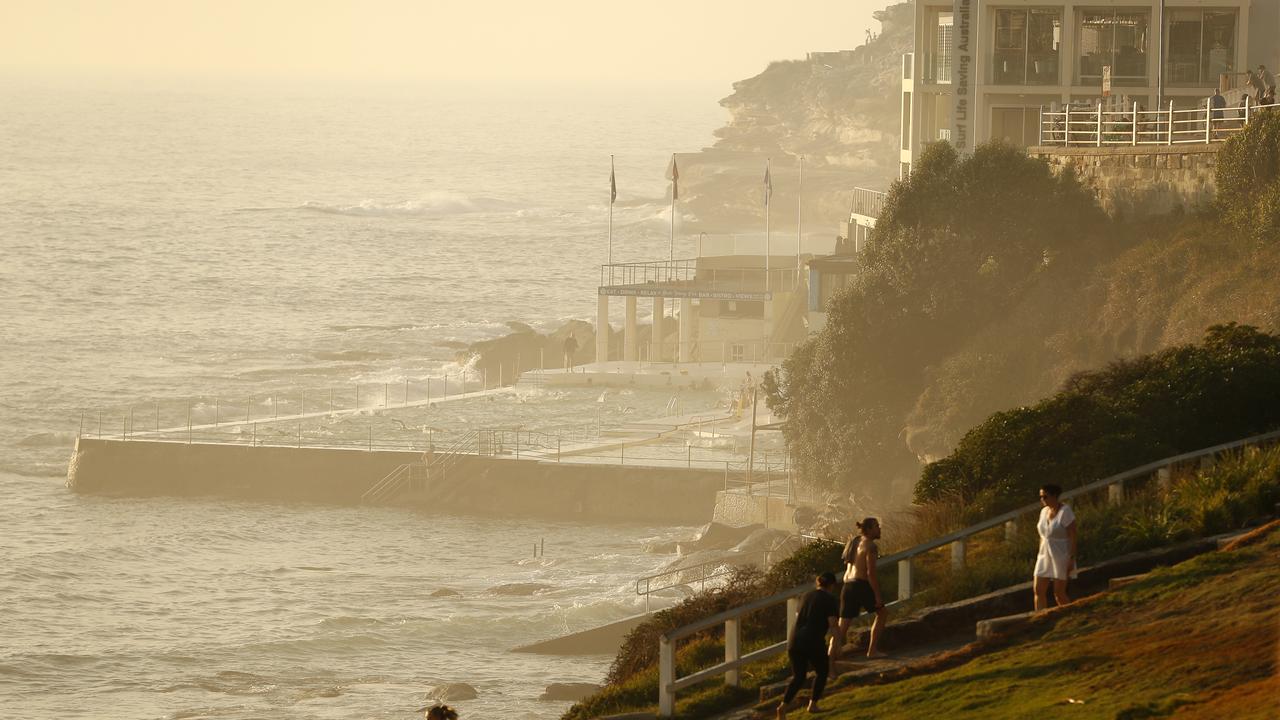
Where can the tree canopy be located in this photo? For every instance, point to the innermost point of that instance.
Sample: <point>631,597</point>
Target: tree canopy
<point>958,241</point>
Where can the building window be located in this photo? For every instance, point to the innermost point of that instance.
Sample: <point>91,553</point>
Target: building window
<point>937,59</point>
<point>1115,39</point>
<point>1026,47</point>
<point>1201,46</point>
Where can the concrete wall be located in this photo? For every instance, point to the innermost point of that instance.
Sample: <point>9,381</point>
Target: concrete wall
<point>739,509</point>
<point>340,476</point>
<point>1142,181</point>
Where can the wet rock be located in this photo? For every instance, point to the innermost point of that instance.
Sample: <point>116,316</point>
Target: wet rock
<point>452,692</point>
<point>761,540</point>
<point>569,692</point>
<point>660,548</point>
<point>446,592</point>
<point>716,536</point>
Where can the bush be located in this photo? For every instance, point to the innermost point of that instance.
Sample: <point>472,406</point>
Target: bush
<point>1248,178</point>
<point>1136,411</point>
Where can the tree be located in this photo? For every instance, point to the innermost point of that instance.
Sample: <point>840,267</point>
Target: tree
<point>1248,176</point>
<point>958,240</point>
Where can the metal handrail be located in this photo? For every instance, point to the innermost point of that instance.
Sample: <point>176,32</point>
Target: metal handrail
<point>669,683</point>
<point>649,588</point>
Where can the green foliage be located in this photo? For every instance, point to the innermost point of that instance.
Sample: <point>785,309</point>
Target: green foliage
<point>1248,178</point>
<point>1133,412</point>
<point>957,241</point>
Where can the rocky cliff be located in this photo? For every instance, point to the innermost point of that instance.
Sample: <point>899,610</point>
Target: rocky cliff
<point>840,110</point>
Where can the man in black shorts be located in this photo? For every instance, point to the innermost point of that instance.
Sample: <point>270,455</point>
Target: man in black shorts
<point>861,591</point>
<point>808,642</point>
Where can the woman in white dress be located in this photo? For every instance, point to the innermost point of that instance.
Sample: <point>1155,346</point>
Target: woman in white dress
<point>1057,559</point>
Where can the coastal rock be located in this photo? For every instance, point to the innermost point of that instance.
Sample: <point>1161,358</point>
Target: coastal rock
<point>568,692</point>
<point>519,589</point>
<point>453,692</point>
<point>446,592</point>
<point>661,548</point>
<point>717,536</point>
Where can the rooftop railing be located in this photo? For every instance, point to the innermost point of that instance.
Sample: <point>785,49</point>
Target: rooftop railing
<point>686,275</point>
<point>868,203</point>
<point>669,684</point>
<point>1098,126</point>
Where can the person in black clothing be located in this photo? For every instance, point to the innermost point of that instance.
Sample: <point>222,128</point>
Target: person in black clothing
<point>808,642</point>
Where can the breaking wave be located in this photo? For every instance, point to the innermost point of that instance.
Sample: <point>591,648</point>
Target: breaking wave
<point>432,205</point>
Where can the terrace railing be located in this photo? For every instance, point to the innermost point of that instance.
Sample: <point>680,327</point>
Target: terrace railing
<point>1103,126</point>
<point>669,684</point>
<point>868,203</point>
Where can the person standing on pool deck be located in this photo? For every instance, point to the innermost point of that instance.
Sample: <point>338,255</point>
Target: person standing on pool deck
<point>807,644</point>
<point>861,589</point>
<point>1057,558</point>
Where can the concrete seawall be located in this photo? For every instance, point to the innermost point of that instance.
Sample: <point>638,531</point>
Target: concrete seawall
<point>489,486</point>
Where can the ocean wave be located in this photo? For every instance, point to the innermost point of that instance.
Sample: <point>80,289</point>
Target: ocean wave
<point>432,205</point>
<point>47,439</point>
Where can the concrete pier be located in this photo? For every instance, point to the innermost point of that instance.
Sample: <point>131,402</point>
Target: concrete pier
<point>486,485</point>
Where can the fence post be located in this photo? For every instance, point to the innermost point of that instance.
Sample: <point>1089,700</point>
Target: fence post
<point>1207,462</point>
<point>793,609</point>
<point>906,582</point>
<point>666,678</point>
<point>1099,124</point>
<point>1066,125</point>
<point>957,555</point>
<point>1040,136</point>
<point>1135,123</point>
<point>370,438</point>
<point>255,435</point>
<point>1010,530</point>
<point>1115,493</point>
<point>81,431</point>
<point>1208,121</point>
<point>188,420</point>
<point>732,635</point>
<point>188,423</point>
<point>299,434</point>
<point>1170,122</point>
<point>1163,479</point>
<point>1247,114</point>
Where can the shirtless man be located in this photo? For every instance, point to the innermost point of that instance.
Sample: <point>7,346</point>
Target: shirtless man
<point>861,589</point>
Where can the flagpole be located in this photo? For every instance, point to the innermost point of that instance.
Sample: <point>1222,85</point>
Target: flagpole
<point>799,216</point>
<point>675,179</point>
<point>767,236</point>
<point>612,192</point>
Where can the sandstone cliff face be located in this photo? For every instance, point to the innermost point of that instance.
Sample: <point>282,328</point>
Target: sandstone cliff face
<point>840,110</point>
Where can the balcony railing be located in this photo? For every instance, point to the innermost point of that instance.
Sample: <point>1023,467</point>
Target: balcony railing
<point>868,203</point>
<point>1099,126</point>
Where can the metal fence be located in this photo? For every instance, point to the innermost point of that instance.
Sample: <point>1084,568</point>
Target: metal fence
<point>686,275</point>
<point>669,683</point>
<point>1100,126</point>
<point>868,203</point>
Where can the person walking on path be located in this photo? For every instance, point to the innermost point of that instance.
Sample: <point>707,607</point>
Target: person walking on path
<point>570,347</point>
<point>807,644</point>
<point>1219,104</point>
<point>1255,82</point>
<point>1057,558</point>
<point>861,590</point>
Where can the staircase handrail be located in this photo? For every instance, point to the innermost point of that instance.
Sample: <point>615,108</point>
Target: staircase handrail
<point>668,683</point>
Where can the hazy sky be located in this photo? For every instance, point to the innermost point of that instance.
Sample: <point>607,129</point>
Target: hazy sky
<point>697,43</point>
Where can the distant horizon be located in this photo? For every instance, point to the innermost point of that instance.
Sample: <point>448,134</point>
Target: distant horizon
<point>704,47</point>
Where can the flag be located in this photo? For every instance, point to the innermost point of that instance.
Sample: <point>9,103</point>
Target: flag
<point>675,180</point>
<point>768,184</point>
<point>613,184</point>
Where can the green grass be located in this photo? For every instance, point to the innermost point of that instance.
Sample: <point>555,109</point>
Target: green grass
<point>1199,639</point>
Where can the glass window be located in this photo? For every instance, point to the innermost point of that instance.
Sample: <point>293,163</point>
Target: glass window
<point>937,59</point>
<point>1026,47</point>
<point>1201,46</point>
<point>1117,39</point>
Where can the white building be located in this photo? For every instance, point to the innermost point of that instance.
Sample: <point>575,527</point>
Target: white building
<point>982,69</point>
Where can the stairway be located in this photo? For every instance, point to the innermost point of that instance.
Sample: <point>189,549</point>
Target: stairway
<point>430,476</point>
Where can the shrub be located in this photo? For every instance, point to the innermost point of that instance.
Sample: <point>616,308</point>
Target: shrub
<point>1178,400</point>
<point>1248,178</point>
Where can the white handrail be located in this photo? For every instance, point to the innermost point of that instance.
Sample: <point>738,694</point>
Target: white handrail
<point>669,683</point>
<point>1103,127</point>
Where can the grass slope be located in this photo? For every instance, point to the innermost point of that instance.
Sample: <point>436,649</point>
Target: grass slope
<point>1197,640</point>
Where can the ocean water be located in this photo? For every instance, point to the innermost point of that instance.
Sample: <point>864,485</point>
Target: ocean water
<point>160,243</point>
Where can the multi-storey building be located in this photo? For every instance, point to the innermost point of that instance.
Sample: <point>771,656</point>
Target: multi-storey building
<point>983,69</point>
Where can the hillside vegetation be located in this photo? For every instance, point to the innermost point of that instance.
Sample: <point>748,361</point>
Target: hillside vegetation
<point>1196,640</point>
<point>988,285</point>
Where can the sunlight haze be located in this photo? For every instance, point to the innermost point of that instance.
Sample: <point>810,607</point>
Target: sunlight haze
<point>566,42</point>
